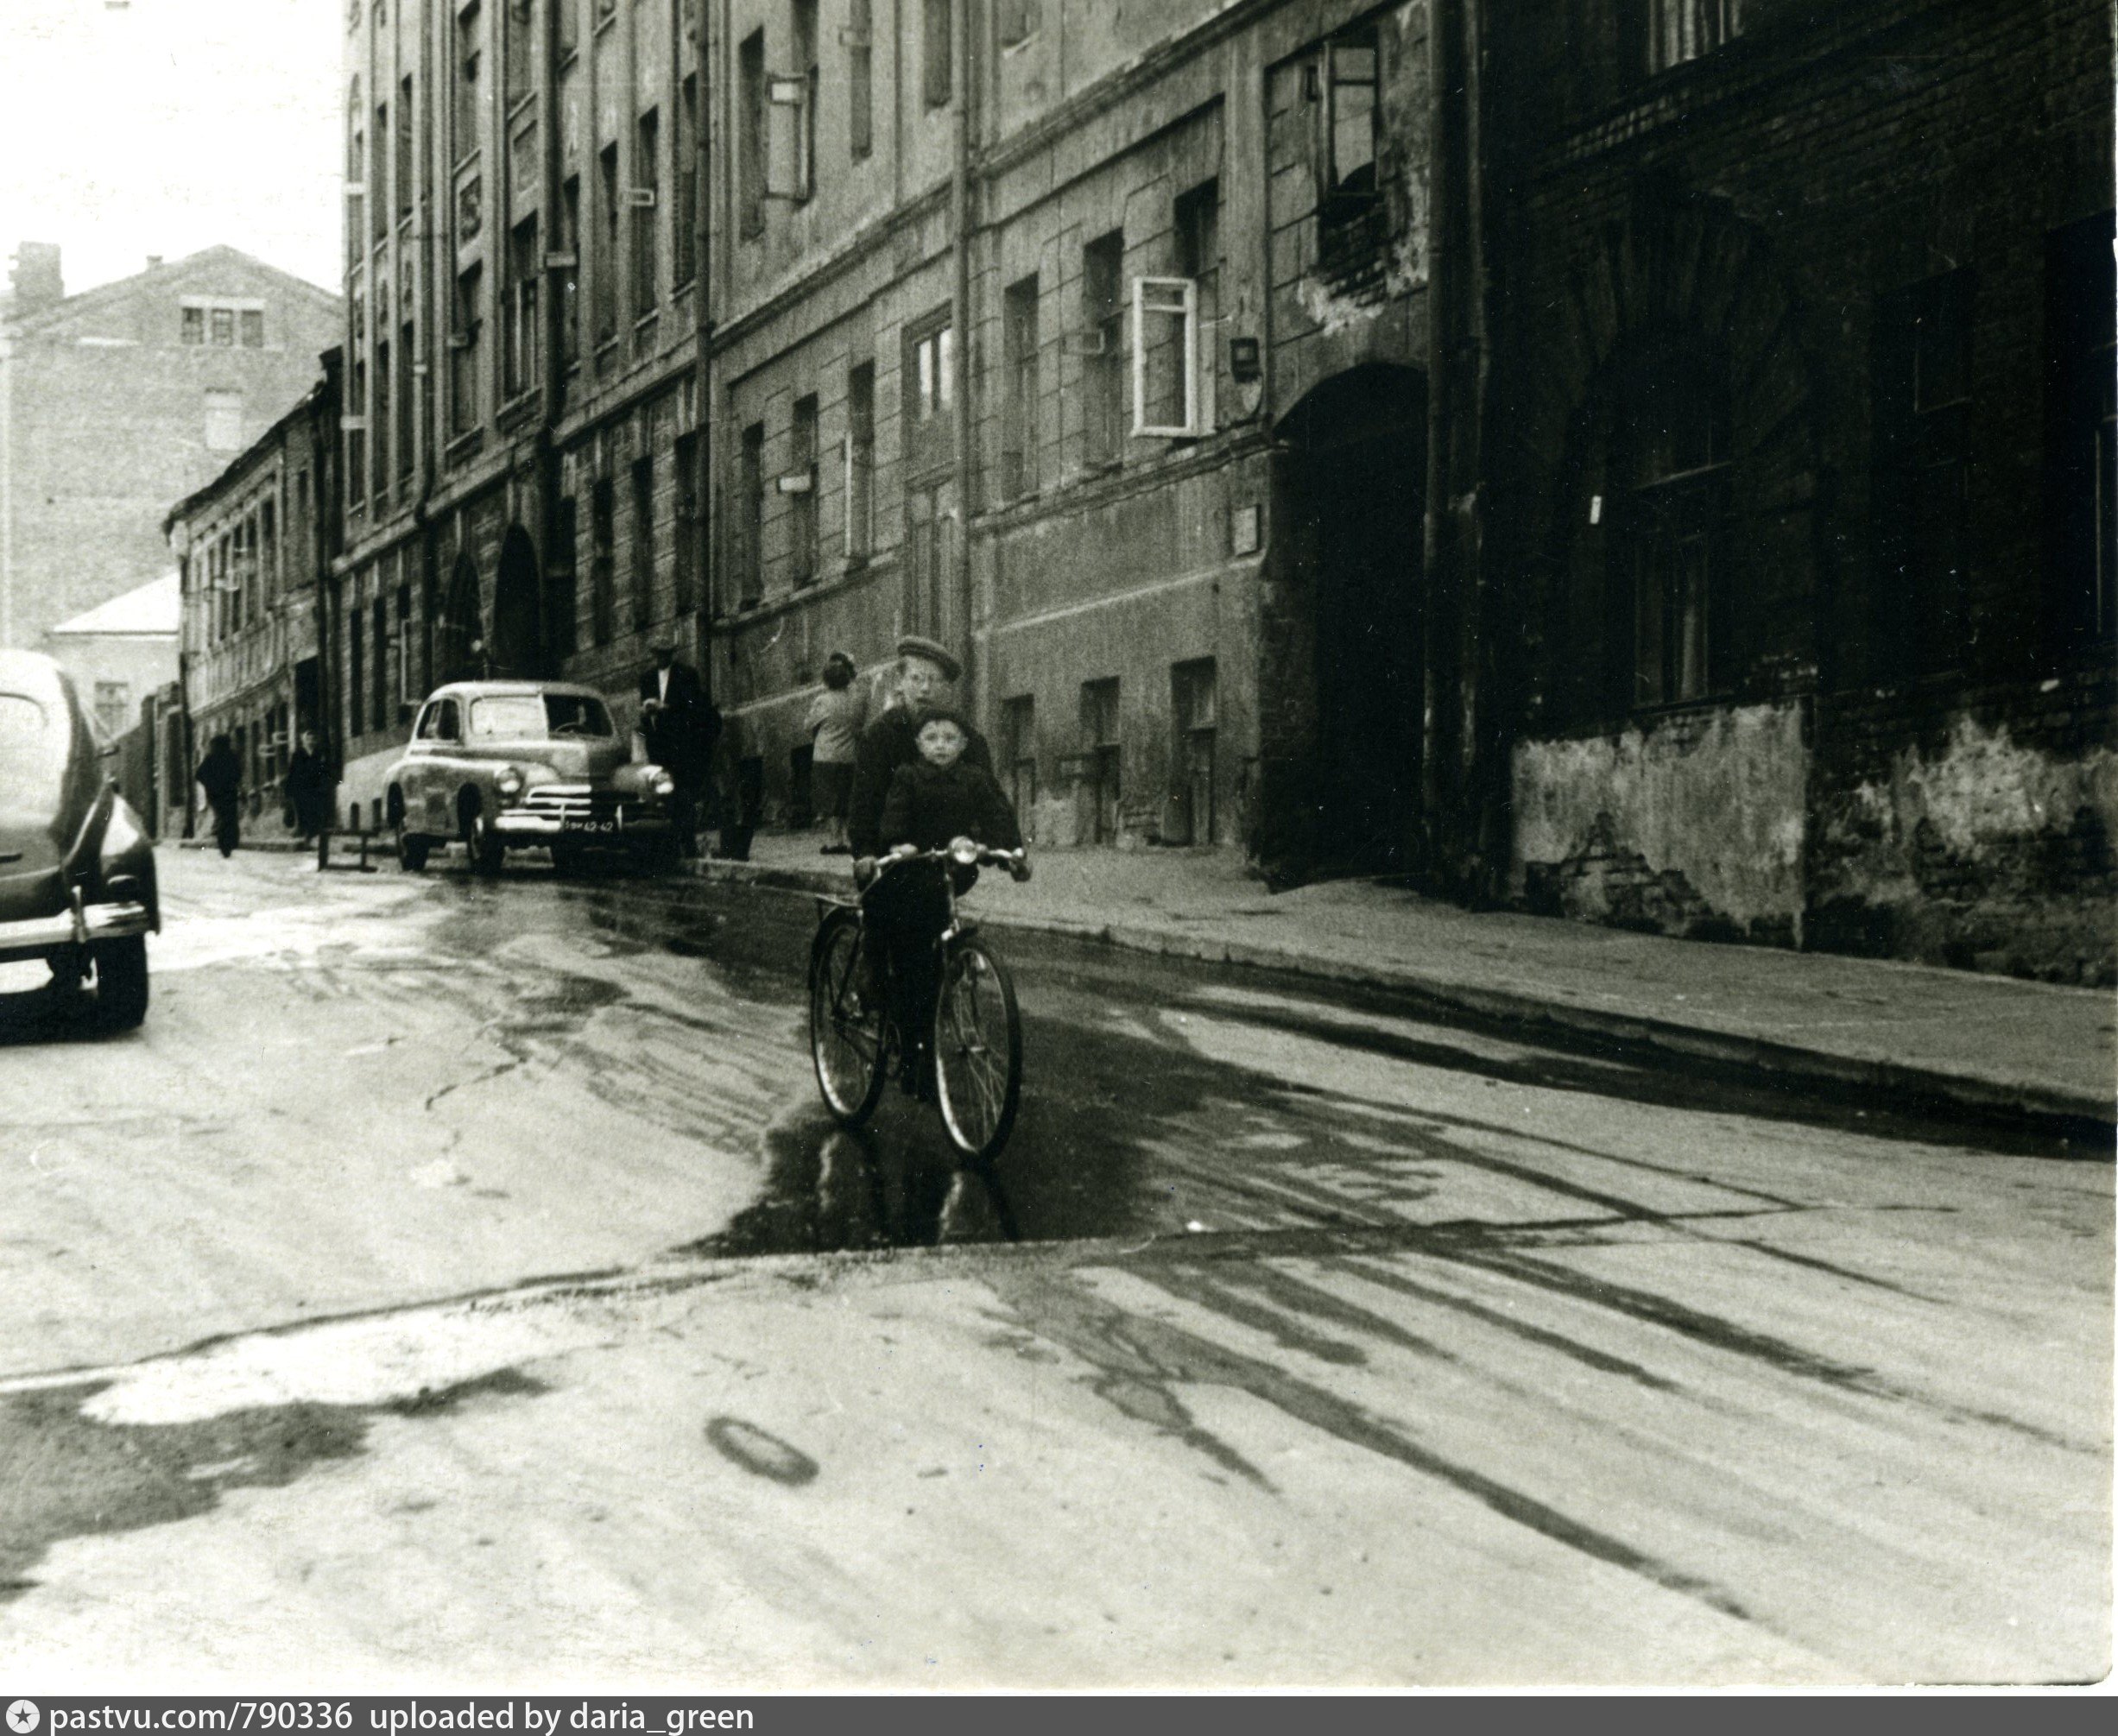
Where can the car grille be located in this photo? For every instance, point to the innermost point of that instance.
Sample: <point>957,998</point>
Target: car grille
<point>571,802</point>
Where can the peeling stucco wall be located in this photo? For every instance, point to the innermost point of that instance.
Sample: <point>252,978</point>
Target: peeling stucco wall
<point>1690,825</point>
<point>1978,846</point>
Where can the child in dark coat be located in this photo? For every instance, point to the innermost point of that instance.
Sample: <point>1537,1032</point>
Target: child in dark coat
<point>935,799</point>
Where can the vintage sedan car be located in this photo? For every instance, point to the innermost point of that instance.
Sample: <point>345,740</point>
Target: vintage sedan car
<point>502,764</point>
<point>77,868</point>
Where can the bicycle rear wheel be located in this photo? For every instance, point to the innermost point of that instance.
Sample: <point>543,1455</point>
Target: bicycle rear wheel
<point>977,1050</point>
<point>845,1030</point>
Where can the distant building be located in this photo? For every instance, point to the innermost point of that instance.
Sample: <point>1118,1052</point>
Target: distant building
<point>120,651</point>
<point>118,400</point>
<point>256,545</point>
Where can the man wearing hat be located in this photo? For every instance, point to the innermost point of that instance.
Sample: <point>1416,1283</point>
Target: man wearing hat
<point>681,724</point>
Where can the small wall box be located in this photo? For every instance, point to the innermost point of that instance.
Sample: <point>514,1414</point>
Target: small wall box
<point>1246,362</point>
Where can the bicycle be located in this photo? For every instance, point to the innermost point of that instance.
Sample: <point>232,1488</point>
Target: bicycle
<point>978,1031</point>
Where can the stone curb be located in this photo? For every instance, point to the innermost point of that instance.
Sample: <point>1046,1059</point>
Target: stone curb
<point>276,846</point>
<point>1788,1064</point>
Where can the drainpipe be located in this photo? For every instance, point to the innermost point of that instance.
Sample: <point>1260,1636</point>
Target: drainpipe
<point>702,307</point>
<point>959,319</point>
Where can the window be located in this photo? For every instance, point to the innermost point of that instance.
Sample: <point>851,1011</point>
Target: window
<point>356,678</point>
<point>1102,762</point>
<point>356,170</point>
<point>929,393</point>
<point>1672,463</point>
<point>192,329</point>
<point>860,81</point>
<point>464,137</point>
<point>407,395</point>
<point>1662,33</point>
<point>691,528</point>
<point>562,625</point>
<point>269,557</point>
<point>224,328</point>
<point>569,278</point>
<point>750,140</point>
<point>1018,752</point>
<point>1194,694</point>
<point>1019,405</point>
<point>1166,355</point>
<point>936,52</point>
<point>1102,330</point>
<point>685,243</point>
<point>356,435</point>
<point>860,462</point>
<point>1923,423</point>
<point>603,540</point>
<point>1199,257</point>
<point>1349,155</point>
<point>113,701</point>
<point>643,199</point>
<point>808,88</point>
<point>464,350</point>
<point>520,32</point>
<point>2081,439</point>
<point>519,342</point>
<point>606,266</point>
<point>407,185</point>
<point>379,435</point>
<point>253,322</point>
<point>223,421</point>
<point>1019,21</point>
<point>927,557</point>
<point>643,540</point>
<point>801,482</point>
<point>750,529</point>
<point>379,183</point>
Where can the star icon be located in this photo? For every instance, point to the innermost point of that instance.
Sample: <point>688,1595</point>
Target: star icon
<point>22,1717</point>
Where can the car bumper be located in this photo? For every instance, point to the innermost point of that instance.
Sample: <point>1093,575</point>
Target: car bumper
<point>517,826</point>
<point>40,937</point>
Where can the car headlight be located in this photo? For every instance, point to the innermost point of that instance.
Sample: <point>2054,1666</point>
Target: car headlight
<point>963,850</point>
<point>662,784</point>
<point>510,782</point>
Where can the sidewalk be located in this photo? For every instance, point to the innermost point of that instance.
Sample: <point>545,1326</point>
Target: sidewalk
<point>1911,1032</point>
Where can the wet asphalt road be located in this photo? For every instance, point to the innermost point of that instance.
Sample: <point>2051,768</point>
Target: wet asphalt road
<point>1540,1366</point>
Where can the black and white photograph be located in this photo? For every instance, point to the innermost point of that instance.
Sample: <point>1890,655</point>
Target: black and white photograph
<point>998,847</point>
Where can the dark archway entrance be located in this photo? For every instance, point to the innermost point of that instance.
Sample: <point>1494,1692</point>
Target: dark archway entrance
<point>517,643</point>
<point>1349,492</point>
<point>459,634</point>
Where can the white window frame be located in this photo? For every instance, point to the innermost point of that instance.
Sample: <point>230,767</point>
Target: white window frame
<point>1166,297</point>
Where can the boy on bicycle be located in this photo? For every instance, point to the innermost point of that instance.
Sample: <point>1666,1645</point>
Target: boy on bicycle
<point>939,797</point>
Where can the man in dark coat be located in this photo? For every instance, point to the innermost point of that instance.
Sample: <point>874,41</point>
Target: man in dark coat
<point>680,725</point>
<point>308,787</point>
<point>220,776</point>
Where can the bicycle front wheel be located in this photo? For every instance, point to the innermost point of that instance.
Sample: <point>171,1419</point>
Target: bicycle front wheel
<point>977,1050</point>
<point>845,1026</point>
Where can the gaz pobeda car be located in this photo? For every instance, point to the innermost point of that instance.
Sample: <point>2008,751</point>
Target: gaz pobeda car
<point>500,764</point>
<point>76,869</point>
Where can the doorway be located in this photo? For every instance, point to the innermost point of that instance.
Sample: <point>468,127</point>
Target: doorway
<point>459,634</point>
<point>1350,496</point>
<point>518,628</point>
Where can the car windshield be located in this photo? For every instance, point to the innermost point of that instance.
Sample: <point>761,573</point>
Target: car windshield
<point>531,716</point>
<point>23,751</point>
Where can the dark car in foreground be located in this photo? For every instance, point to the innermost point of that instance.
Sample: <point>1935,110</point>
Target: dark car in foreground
<point>77,866</point>
<point>502,764</point>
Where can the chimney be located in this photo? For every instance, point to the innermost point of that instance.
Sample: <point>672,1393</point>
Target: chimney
<point>34,281</point>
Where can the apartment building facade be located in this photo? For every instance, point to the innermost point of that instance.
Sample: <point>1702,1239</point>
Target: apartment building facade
<point>1799,587</point>
<point>254,549</point>
<point>118,400</point>
<point>1091,341</point>
<point>522,459</point>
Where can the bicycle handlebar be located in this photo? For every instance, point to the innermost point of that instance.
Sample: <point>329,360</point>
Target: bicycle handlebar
<point>964,852</point>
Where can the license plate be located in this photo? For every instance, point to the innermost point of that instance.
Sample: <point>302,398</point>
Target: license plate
<point>603,828</point>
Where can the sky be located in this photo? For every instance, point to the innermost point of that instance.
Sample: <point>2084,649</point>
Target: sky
<point>137,127</point>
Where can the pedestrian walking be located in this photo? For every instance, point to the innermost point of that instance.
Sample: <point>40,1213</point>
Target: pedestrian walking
<point>220,776</point>
<point>680,725</point>
<point>308,788</point>
<point>836,718</point>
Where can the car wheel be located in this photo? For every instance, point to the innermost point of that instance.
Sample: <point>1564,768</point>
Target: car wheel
<point>412,849</point>
<point>121,982</point>
<point>487,851</point>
